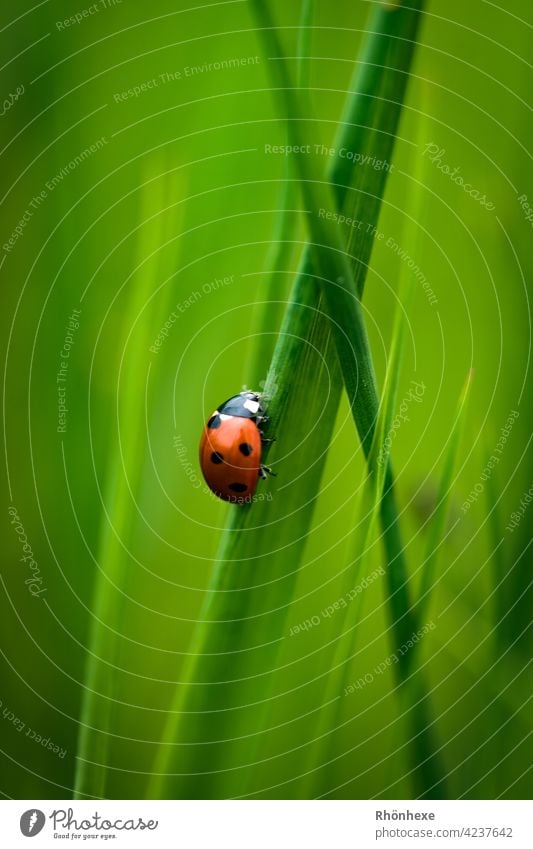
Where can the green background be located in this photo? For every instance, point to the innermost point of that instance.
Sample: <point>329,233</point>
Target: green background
<point>182,193</point>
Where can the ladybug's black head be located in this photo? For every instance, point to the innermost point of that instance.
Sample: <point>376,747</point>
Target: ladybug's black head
<point>246,405</point>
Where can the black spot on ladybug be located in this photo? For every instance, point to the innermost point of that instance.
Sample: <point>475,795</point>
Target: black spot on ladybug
<point>214,422</point>
<point>245,448</point>
<point>238,487</point>
<point>216,457</point>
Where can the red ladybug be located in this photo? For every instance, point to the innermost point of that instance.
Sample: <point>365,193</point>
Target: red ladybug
<point>230,448</point>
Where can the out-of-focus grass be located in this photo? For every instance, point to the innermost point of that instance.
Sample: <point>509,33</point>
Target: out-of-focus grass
<point>437,530</point>
<point>123,486</point>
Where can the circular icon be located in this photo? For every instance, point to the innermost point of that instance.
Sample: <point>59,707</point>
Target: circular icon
<point>31,822</point>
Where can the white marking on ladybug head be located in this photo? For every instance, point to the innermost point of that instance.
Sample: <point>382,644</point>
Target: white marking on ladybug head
<point>224,417</point>
<point>253,406</point>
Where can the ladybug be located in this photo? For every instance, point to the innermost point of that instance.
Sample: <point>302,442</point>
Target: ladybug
<point>231,446</point>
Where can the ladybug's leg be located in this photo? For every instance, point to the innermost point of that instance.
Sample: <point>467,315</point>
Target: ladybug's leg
<point>265,471</point>
<point>267,440</point>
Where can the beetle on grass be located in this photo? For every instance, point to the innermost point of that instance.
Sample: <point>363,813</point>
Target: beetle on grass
<point>231,448</point>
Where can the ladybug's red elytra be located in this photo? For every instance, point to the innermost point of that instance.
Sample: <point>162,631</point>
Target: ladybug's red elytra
<point>231,447</point>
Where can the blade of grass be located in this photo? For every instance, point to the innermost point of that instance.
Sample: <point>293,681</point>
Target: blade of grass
<point>366,517</point>
<point>339,287</point>
<point>279,255</point>
<point>499,611</point>
<point>327,247</point>
<point>439,517</point>
<point>342,303</point>
<point>414,697</point>
<point>211,643</point>
<point>118,523</point>
<point>367,511</point>
<point>427,767</point>
<point>414,692</point>
<point>500,605</point>
<point>226,678</point>
<point>377,54</point>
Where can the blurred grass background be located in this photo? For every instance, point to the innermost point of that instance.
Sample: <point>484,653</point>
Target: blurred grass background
<point>195,147</point>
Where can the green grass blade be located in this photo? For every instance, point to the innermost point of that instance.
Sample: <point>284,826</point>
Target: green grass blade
<point>339,285</point>
<point>437,525</point>
<point>366,519</point>
<point>356,364</point>
<point>327,247</point>
<point>279,256</point>
<point>178,756</point>
<point>118,523</point>
<point>244,614</point>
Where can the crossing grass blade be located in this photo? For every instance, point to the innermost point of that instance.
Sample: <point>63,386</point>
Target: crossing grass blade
<point>366,524</point>
<point>366,520</point>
